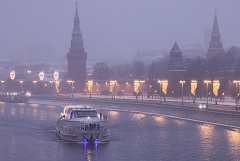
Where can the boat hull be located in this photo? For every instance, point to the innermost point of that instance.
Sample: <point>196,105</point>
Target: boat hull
<point>75,131</point>
<point>14,99</point>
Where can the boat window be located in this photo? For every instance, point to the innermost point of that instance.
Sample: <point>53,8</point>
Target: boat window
<point>79,114</point>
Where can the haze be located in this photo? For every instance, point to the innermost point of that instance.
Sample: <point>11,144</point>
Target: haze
<point>112,29</point>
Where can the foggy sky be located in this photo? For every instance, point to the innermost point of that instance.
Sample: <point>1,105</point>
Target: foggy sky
<point>112,29</point>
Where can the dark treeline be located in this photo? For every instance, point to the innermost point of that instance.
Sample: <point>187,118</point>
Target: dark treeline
<point>224,65</point>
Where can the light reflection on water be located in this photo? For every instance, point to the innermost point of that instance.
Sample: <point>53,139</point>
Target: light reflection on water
<point>137,116</point>
<point>134,136</point>
<point>35,112</point>
<point>233,142</point>
<point>180,122</point>
<point>2,109</point>
<point>206,138</point>
<point>113,114</point>
<point>22,111</point>
<point>13,111</point>
<point>160,120</point>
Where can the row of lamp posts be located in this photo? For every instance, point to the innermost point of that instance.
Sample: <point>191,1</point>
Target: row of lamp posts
<point>41,77</point>
<point>163,85</point>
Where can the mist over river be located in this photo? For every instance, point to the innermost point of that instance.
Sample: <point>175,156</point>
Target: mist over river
<point>27,133</point>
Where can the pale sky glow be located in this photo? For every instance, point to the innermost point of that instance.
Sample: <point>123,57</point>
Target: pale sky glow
<point>112,29</point>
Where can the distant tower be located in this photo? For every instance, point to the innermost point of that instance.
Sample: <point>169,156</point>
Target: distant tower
<point>175,62</point>
<point>215,45</point>
<point>77,57</point>
<point>175,70</point>
<point>175,53</point>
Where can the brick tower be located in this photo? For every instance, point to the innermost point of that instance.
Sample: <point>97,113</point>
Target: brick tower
<point>215,45</point>
<point>77,57</point>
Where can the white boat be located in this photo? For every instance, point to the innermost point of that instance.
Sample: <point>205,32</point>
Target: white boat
<point>14,97</point>
<point>82,124</point>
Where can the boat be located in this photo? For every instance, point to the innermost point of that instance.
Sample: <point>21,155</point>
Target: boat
<point>80,123</point>
<point>14,97</point>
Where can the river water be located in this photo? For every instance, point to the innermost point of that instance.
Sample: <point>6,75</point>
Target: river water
<point>27,133</point>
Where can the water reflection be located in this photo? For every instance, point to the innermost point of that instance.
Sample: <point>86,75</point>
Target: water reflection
<point>13,111</point>
<point>137,116</point>
<point>34,105</point>
<point>42,115</point>
<point>180,122</point>
<point>206,138</point>
<point>51,107</point>
<point>2,109</point>
<point>233,141</point>
<point>35,112</point>
<point>160,120</point>
<point>114,114</point>
<point>22,111</point>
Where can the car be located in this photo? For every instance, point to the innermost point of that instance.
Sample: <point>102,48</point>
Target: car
<point>202,106</point>
<point>237,107</point>
<point>63,94</point>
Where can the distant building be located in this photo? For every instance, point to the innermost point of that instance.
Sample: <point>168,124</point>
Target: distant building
<point>207,39</point>
<point>147,57</point>
<point>193,51</point>
<point>77,57</point>
<point>175,61</point>
<point>215,45</point>
<point>175,70</point>
<point>4,68</point>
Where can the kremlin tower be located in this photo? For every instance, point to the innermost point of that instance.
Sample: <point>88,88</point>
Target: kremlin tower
<point>215,45</point>
<point>175,62</point>
<point>77,57</point>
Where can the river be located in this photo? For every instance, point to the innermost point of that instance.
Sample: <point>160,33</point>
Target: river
<point>27,133</point>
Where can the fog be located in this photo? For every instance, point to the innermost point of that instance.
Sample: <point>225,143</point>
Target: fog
<point>112,29</point>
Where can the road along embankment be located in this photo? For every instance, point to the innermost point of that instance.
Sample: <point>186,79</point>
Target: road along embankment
<point>221,115</point>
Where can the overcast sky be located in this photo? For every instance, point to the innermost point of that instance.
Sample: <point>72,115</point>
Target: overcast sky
<point>112,29</point>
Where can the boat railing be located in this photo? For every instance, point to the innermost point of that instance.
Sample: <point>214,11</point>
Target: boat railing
<point>75,126</point>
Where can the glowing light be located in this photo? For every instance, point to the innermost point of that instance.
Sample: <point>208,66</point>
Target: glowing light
<point>56,75</point>
<point>41,75</point>
<point>216,86</point>
<point>193,87</point>
<point>12,75</point>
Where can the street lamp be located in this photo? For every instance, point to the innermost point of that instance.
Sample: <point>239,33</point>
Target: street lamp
<point>160,91</point>
<point>112,84</point>
<point>182,82</point>
<point>136,87</point>
<point>71,81</point>
<point>207,82</point>
<point>21,82</point>
<point>90,84</point>
<point>193,89</point>
<point>216,86</point>
<point>142,81</point>
<point>237,85</point>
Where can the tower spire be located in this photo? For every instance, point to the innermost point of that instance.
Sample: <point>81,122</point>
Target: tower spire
<point>215,45</point>
<point>215,28</point>
<point>77,56</point>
